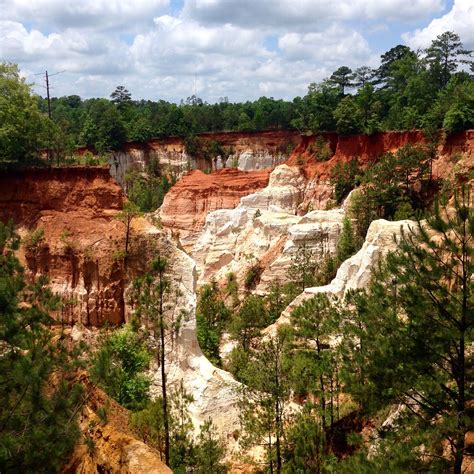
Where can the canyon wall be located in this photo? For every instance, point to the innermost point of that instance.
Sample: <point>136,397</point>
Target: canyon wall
<point>186,205</point>
<point>74,208</point>
<point>80,249</point>
<point>311,189</point>
<point>245,151</point>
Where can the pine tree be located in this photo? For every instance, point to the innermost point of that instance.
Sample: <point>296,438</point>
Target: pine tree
<point>150,293</point>
<point>40,400</point>
<point>414,327</point>
<point>313,323</point>
<point>346,245</point>
<point>444,54</point>
<point>264,398</point>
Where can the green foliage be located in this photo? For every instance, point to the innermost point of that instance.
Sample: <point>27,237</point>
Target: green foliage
<point>203,455</point>
<point>210,451</point>
<point>348,116</point>
<point>389,184</point>
<point>211,318</point>
<point>321,149</point>
<point>278,298</point>
<point>119,365</point>
<point>347,244</point>
<point>344,177</point>
<point>404,92</point>
<point>305,449</point>
<point>147,191</point>
<point>103,127</point>
<point>342,78</point>
<point>38,427</point>
<point>444,55</point>
<point>245,326</point>
<point>264,397</point>
<point>149,424</point>
<point>405,339</point>
<point>24,129</point>
<point>312,265</point>
<point>313,323</point>
<point>34,239</point>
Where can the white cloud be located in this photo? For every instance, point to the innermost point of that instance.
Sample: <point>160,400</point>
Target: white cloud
<point>336,45</point>
<point>236,48</point>
<point>459,19</point>
<point>287,14</point>
<point>98,14</point>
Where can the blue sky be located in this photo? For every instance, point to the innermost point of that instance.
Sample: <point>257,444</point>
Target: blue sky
<point>241,49</point>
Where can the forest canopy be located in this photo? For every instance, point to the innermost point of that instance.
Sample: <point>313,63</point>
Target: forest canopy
<point>427,89</point>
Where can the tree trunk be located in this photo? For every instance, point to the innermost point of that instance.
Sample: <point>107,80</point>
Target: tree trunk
<point>163,373</point>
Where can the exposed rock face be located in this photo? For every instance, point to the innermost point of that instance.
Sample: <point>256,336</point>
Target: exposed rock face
<point>186,205</point>
<point>285,191</point>
<point>264,229</point>
<point>84,271</point>
<point>366,149</point>
<point>213,390</point>
<point>75,209</point>
<point>355,272</point>
<point>116,449</point>
<point>246,152</point>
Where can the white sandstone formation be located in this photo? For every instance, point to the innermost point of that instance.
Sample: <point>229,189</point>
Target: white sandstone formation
<point>356,271</point>
<point>174,162</point>
<point>265,229</point>
<point>214,391</point>
<point>285,190</point>
<point>252,160</point>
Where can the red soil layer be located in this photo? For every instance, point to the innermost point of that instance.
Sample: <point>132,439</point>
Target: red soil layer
<point>186,205</point>
<point>368,148</point>
<point>75,208</point>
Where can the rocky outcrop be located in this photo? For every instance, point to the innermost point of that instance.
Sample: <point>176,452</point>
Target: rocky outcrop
<point>367,149</point>
<point>356,271</point>
<point>186,205</point>
<point>249,151</point>
<point>66,219</point>
<point>265,230</point>
<point>80,250</point>
<point>112,446</point>
<point>214,391</point>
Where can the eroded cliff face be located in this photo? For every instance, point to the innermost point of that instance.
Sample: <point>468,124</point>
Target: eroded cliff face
<point>81,252</point>
<point>264,230</point>
<point>303,186</point>
<point>186,205</point>
<point>74,208</point>
<point>116,447</point>
<point>243,151</point>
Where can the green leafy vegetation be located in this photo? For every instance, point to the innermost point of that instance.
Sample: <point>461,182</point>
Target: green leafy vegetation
<point>119,366</point>
<point>409,89</point>
<point>38,422</point>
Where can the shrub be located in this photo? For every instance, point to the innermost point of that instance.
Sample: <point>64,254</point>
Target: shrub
<point>34,239</point>
<point>321,149</point>
<point>252,277</point>
<point>118,367</point>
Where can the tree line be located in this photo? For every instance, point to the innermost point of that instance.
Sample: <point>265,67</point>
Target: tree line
<point>427,89</point>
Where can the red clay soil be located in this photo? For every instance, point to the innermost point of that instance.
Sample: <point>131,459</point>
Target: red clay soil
<point>368,148</point>
<point>75,208</point>
<point>27,194</point>
<point>187,203</point>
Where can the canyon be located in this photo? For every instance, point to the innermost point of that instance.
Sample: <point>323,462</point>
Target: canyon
<point>257,206</point>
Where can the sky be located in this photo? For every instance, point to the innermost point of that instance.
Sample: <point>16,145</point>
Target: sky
<point>239,49</point>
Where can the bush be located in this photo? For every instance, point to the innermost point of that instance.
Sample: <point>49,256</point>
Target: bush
<point>34,239</point>
<point>344,177</point>
<point>252,277</point>
<point>321,149</point>
<point>118,367</point>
